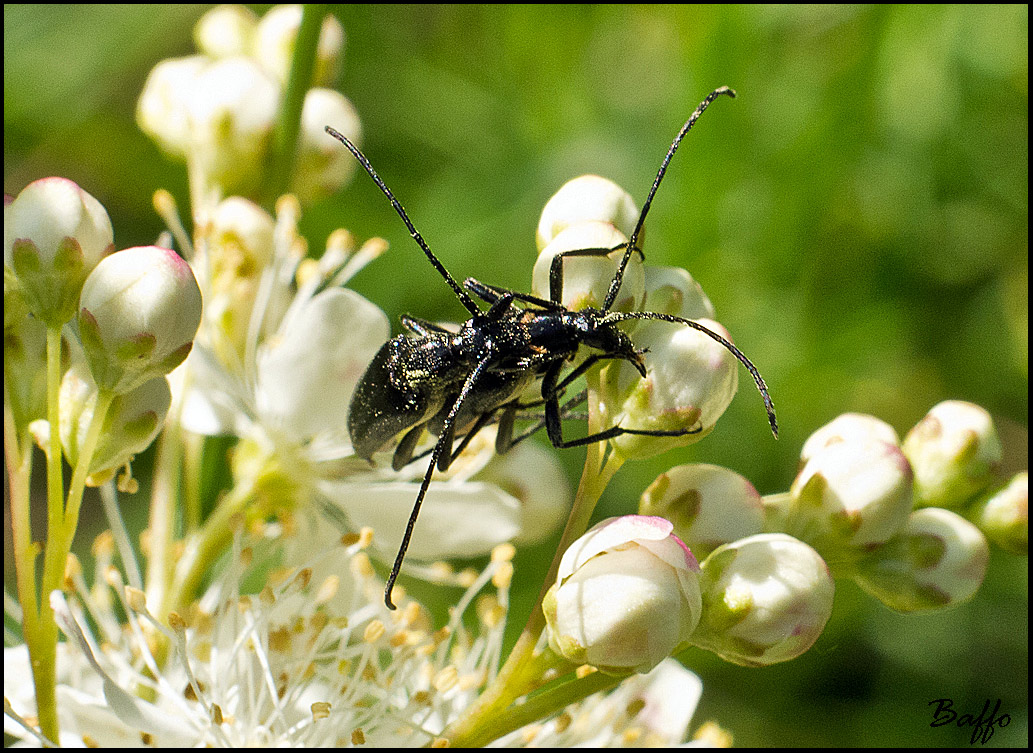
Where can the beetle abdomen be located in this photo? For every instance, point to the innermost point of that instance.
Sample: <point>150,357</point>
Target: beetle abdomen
<point>402,387</point>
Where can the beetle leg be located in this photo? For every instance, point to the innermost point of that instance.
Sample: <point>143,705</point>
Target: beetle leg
<point>491,293</point>
<point>422,327</point>
<point>404,450</point>
<point>554,420</point>
<point>556,266</point>
<point>445,439</point>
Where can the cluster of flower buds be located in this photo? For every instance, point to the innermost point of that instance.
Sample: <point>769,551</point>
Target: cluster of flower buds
<point>876,508</point>
<point>861,507</point>
<point>690,378</point>
<point>217,109</point>
<point>136,312</point>
<point>629,593</point>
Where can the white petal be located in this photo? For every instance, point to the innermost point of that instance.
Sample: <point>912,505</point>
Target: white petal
<point>671,697</point>
<point>456,520</point>
<point>307,374</point>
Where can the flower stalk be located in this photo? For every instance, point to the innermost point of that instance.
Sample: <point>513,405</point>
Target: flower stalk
<point>288,124</point>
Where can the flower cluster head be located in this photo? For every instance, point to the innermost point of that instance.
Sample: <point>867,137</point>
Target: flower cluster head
<point>217,109</point>
<point>875,508</point>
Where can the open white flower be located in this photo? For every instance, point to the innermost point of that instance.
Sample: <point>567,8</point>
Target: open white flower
<point>288,395</point>
<point>313,661</point>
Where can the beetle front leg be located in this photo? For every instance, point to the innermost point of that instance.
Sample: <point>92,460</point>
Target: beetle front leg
<point>556,266</point>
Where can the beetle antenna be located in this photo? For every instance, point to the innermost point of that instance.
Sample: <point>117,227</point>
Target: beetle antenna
<point>615,285</point>
<point>757,378</point>
<point>463,296</point>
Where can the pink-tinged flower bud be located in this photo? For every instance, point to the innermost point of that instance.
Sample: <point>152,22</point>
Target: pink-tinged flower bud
<point>708,505</point>
<point>131,423</point>
<point>322,166</point>
<point>586,279</point>
<point>626,596</point>
<point>672,290</point>
<point>849,497</point>
<point>955,452</point>
<point>766,600</point>
<point>54,234</point>
<point>587,198</point>
<point>277,34</point>
<point>690,381</point>
<point>1003,515</point>
<point>939,559</point>
<point>139,311</point>
<point>848,427</point>
<point>225,31</point>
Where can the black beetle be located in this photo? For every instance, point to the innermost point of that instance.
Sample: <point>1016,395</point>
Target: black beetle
<point>452,384</point>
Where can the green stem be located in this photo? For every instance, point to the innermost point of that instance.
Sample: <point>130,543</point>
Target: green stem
<point>285,137</point>
<point>165,484</point>
<point>204,547</point>
<point>543,704</point>
<point>62,522</point>
<point>41,635</point>
<point>519,674</point>
<point>18,457</point>
<point>55,479</point>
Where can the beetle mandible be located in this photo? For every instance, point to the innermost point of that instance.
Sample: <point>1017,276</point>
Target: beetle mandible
<point>453,384</point>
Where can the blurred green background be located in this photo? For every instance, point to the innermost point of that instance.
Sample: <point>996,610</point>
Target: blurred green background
<point>858,217</point>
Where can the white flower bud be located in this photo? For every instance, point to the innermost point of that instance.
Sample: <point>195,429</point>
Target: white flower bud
<point>226,31</point>
<point>766,600</point>
<point>54,234</point>
<point>672,290</point>
<point>139,311</point>
<point>708,505</point>
<point>239,238</point>
<point>588,197</point>
<point>690,381</point>
<point>850,496</point>
<point>939,559</point>
<point>220,112</point>
<point>132,421</point>
<point>1004,515</point>
<point>626,596</point>
<point>586,279</point>
<point>848,427</point>
<point>231,112</point>
<point>277,34</point>
<point>955,452</point>
<point>322,166</point>
<point>161,111</point>
<point>237,247</point>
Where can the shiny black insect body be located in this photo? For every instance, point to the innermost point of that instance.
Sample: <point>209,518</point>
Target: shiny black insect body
<point>452,384</point>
